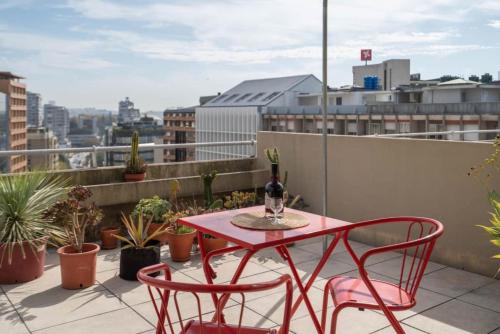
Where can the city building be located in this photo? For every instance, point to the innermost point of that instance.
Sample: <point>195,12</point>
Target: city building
<point>42,138</point>
<point>390,74</point>
<point>34,109</point>
<point>236,114</point>
<point>150,132</point>
<point>126,111</point>
<point>416,106</point>
<point>83,131</point>
<point>56,118</point>
<point>179,127</point>
<point>13,114</point>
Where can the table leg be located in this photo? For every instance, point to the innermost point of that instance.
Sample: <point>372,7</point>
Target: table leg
<point>304,289</point>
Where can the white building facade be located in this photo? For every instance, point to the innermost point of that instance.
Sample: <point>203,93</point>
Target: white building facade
<point>236,114</point>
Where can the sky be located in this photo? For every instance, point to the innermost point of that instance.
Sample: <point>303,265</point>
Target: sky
<point>167,53</point>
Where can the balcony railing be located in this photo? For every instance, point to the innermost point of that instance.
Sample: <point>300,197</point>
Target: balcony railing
<point>142,147</point>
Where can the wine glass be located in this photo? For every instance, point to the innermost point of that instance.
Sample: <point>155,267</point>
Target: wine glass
<point>276,206</point>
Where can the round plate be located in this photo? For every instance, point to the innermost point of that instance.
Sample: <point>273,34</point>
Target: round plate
<point>256,221</point>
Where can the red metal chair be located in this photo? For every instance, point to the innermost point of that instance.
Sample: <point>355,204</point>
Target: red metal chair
<point>366,293</point>
<point>164,287</point>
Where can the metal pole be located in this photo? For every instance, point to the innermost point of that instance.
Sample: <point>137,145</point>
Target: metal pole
<point>325,110</point>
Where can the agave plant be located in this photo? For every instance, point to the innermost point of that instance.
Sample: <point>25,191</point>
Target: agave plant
<point>138,231</point>
<point>23,201</point>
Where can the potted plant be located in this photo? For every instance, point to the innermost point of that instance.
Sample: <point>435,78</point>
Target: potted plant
<point>153,210</point>
<point>139,249</point>
<point>24,230</point>
<point>77,258</point>
<point>136,168</point>
<point>180,240</point>
<point>108,239</point>
<point>484,172</point>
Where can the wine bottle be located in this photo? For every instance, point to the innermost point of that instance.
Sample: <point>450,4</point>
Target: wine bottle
<point>274,189</point>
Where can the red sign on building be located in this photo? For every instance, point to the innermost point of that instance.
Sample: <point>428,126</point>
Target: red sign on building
<point>366,54</point>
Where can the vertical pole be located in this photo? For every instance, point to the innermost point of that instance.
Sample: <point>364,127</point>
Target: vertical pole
<point>325,110</point>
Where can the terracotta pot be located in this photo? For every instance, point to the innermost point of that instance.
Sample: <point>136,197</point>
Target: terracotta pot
<point>211,244</point>
<point>180,246</point>
<point>78,269</point>
<point>134,177</point>
<point>23,269</point>
<point>163,237</point>
<point>108,240</point>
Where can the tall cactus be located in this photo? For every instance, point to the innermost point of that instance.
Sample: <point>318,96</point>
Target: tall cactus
<point>207,180</point>
<point>135,165</point>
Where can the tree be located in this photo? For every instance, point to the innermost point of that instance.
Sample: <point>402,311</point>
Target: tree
<point>448,77</point>
<point>486,78</point>
<point>474,78</point>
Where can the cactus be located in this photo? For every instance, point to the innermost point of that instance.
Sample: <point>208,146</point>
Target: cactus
<point>207,180</point>
<point>273,155</point>
<point>135,164</point>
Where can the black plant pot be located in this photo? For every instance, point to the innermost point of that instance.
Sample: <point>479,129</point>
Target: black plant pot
<point>134,259</point>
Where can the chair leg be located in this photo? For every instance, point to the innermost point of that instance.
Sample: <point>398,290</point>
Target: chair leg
<point>335,315</point>
<point>325,307</point>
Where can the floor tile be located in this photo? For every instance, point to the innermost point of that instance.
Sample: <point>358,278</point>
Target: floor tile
<point>133,292</point>
<point>272,306</point>
<point>456,317</point>
<point>406,328</point>
<point>10,322</point>
<point>487,296</point>
<point>188,306</point>
<point>115,322</point>
<point>225,271</point>
<point>269,258</point>
<point>330,269</point>
<point>350,321</point>
<point>56,306</point>
<point>453,282</point>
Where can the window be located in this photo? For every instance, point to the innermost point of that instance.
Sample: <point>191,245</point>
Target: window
<point>256,97</point>
<point>243,97</point>
<point>338,101</point>
<point>217,99</point>
<point>375,128</point>
<point>271,96</point>
<point>232,97</point>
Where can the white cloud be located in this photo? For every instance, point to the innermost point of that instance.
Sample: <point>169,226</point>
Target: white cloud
<point>494,24</point>
<point>48,51</point>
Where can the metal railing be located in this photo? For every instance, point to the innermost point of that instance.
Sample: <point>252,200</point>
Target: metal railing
<point>142,147</point>
<point>434,133</point>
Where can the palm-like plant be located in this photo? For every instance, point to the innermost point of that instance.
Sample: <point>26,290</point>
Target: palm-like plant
<point>138,232</point>
<point>23,200</point>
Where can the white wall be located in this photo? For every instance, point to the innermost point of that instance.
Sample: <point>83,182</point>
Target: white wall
<point>222,124</point>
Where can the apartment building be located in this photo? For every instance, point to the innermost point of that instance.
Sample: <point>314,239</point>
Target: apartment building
<point>179,127</point>
<point>42,138</point>
<point>13,114</point>
<point>56,118</point>
<point>150,132</point>
<point>457,105</point>
<point>127,113</point>
<point>391,73</point>
<point>236,114</point>
<point>35,110</point>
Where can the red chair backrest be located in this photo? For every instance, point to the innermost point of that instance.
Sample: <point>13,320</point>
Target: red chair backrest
<point>164,287</point>
<point>416,248</point>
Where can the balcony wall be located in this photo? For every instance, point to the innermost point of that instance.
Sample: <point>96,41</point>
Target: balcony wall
<point>115,196</point>
<point>381,177</point>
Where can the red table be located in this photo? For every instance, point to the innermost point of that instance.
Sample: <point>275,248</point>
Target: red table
<point>219,225</point>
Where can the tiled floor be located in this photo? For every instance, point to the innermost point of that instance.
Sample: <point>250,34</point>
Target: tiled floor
<point>449,300</point>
